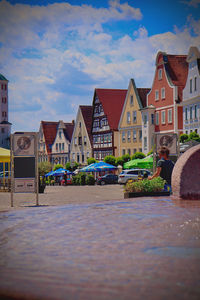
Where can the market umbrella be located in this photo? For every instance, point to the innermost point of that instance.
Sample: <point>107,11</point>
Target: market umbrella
<point>97,167</point>
<point>60,172</point>
<point>144,163</point>
<point>49,174</point>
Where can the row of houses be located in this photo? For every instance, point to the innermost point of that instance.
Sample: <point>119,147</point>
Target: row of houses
<point>121,121</point>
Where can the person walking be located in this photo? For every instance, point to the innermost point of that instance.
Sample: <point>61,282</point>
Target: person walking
<point>164,168</point>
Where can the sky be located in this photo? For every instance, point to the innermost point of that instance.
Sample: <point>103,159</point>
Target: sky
<point>55,53</point>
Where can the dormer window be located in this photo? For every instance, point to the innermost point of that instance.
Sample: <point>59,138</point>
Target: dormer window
<point>163,93</point>
<point>60,134</point>
<point>190,85</point>
<point>195,83</point>
<point>79,124</point>
<point>131,100</point>
<point>159,74</point>
<point>128,117</point>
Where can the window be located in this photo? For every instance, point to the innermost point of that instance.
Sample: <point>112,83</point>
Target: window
<point>79,124</point>
<point>195,83</point>
<point>63,146</point>
<point>156,95</point>
<point>4,114</point>
<point>145,119</point>
<point>85,140</point>
<point>152,119</point>
<point>131,100</point>
<point>4,100</point>
<point>88,154</point>
<point>129,151</point>
<point>190,112</point>
<point>169,116</point>
<point>190,85</point>
<point>163,93</point>
<point>163,116</point>
<point>83,158</point>
<point>75,141</point>
<point>2,130</point>
<point>195,111</point>
<point>73,156</point>
<point>134,135</point>
<point>78,157</point>
<point>145,143</point>
<point>60,134</point>
<point>123,136</point>
<point>186,114</point>
<point>140,135</point>
<point>123,151</point>
<point>128,117</point>
<point>134,116</point>
<point>134,150</point>
<point>140,149</point>
<point>129,135</point>
<point>157,118</point>
<point>80,140</point>
<point>159,74</point>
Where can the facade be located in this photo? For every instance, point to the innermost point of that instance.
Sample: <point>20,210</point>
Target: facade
<point>5,126</point>
<point>81,149</point>
<point>107,108</point>
<point>191,93</point>
<point>130,124</point>
<point>54,141</point>
<point>165,96</point>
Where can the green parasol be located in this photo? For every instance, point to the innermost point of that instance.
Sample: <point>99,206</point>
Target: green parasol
<point>144,163</point>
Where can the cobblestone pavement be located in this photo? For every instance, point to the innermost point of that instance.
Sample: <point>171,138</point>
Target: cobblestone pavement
<point>62,195</point>
<point>95,245</point>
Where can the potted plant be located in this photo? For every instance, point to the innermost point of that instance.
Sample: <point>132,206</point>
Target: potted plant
<point>145,187</point>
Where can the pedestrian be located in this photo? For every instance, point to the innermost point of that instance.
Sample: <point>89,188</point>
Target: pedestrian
<point>164,168</point>
<point>65,178</point>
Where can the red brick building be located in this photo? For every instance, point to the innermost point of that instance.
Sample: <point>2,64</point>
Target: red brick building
<point>166,92</point>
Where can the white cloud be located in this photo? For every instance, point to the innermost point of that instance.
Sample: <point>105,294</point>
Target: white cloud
<point>55,56</point>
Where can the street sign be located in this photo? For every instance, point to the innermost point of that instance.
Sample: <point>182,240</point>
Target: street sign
<point>24,157</point>
<point>168,140</point>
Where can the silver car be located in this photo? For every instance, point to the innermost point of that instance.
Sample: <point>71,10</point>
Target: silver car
<point>132,174</point>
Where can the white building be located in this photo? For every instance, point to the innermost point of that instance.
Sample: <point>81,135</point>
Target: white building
<point>191,94</point>
<point>5,126</point>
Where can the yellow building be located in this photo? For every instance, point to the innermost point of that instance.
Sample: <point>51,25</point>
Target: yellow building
<point>130,124</point>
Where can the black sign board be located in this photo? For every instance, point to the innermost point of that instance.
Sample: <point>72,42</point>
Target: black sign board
<point>24,167</point>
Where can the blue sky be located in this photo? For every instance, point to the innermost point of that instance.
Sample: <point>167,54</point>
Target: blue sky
<point>55,53</point>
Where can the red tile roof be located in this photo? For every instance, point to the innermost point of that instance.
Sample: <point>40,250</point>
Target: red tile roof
<point>50,130</point>
<point>87,111</point>
<point>177,69</point>
<point>142,92</point>
<point>112,101</point>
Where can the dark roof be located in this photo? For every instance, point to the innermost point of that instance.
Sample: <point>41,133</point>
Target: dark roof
<point>87,111</point>
<point>3,78</point>
<point>49,130</point>
<point>142,92</point>
<point>176,67</point>
<point>68,131</point>
<point>112,101</point>
<point>5,122</point>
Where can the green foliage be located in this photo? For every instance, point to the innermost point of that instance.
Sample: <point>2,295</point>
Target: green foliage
<point>91,160</point>
<point>150,152</point>
<point>83,179</point>
<point>44,167</point>
<point>183,138</point>
<point>119,161</point>
<point>145,185</point>
<point>110,159</point>
<point>138,155</point>
<point>194,136</point>
<point>68,166</point>
<point>126,157</point>
<point>58,166</point>
<point>90,180</point>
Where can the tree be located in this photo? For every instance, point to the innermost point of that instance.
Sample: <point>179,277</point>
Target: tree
<point>193,136</point>
<point>91,160</point>
<point>126,157</point>
<point>58,166</point>
<point>138,155</point>
<point>110,159</point>
<point>183,137</point>
<point>44,167</point>
<point>68,166</point>
<point>119,161</point>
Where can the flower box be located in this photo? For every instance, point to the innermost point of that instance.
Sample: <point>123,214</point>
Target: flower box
<point>145,194</point>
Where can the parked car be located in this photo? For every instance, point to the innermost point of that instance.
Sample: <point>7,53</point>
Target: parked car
<point>132,174</point>
<point>107,179</point>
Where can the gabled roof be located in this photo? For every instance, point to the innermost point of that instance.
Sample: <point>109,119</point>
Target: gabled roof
<point>3,78</point>
<point>87,111</point>
<point>176,68</point>
<point>112,101</point>
<point>142,92</point>
<point>50,130</point>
